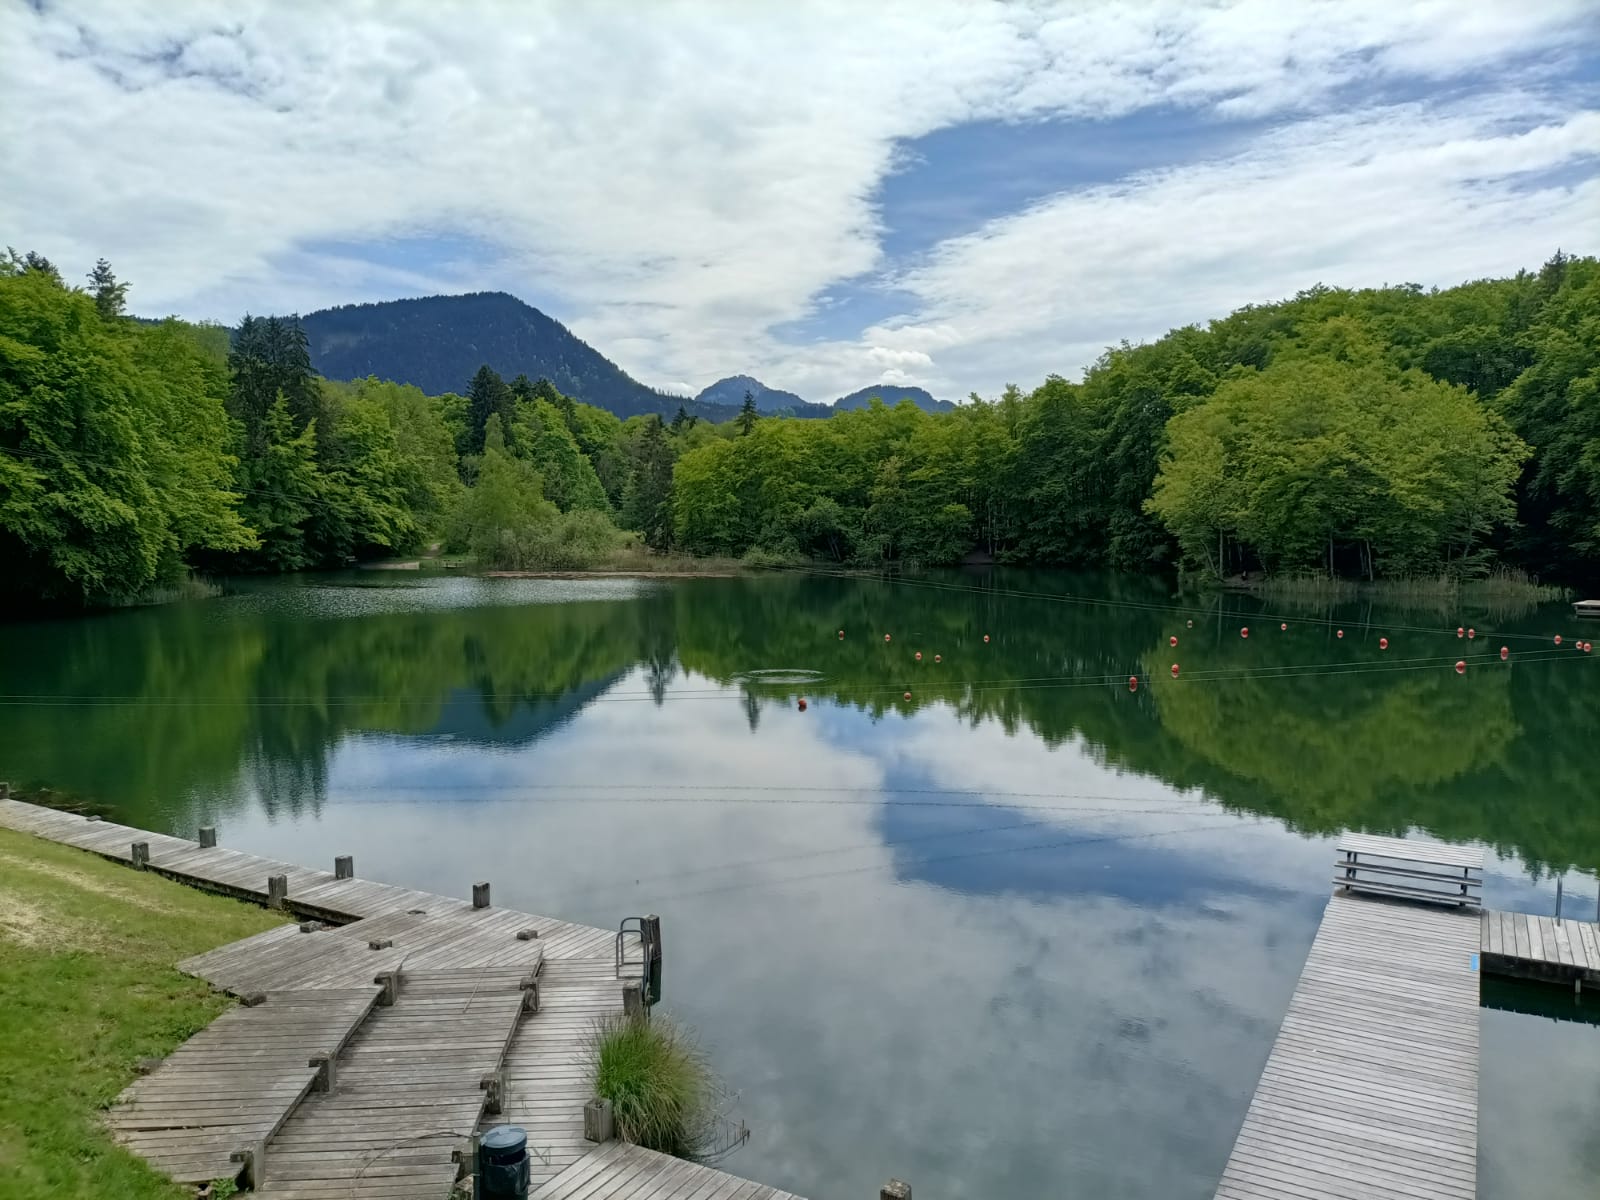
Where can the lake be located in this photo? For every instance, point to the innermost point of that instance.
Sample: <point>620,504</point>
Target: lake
<point>1027,932</point>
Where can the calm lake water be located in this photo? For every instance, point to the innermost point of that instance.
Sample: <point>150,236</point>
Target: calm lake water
<point>1027,933</point>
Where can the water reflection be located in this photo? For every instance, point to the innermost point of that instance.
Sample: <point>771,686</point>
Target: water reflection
<point>1024,931</point>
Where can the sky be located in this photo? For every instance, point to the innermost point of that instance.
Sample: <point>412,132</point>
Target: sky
<point>828,196</point>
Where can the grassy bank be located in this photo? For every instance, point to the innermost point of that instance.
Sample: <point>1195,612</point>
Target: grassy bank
<point>88,988</point>
<point>1502,593</point>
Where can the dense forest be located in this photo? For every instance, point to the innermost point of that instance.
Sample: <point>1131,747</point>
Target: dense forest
<point>1377,433</point>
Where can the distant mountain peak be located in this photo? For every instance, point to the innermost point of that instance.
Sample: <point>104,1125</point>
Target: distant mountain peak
<point>892,394</point>
<point>731,391</point>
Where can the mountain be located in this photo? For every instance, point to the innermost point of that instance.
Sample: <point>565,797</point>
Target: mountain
<point>730,391</point>
<point>891,395</point>
<point>438,342</point>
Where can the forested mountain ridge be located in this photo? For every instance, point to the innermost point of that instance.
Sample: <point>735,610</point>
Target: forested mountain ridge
<point>436,343</point>
<point>1380,432</point>
<point>769,400</point>
<point>891,394</point>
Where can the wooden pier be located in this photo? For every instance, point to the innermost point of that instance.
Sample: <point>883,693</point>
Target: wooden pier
<point>1371,1088</point>
<point>379,1034</point>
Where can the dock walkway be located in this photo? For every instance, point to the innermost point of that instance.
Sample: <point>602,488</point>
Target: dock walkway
<point>1371,1088</point>
<point>378,1034</point>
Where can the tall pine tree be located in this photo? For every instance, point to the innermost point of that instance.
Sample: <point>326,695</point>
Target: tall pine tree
<point>109,295</point>
<point>748,416</point>
<point>487,396</point>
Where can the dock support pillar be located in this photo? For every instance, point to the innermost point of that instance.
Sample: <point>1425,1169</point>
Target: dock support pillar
<point>633,1001</point>
<point>344,867</point>
<point>208,836</point>
<point>140,856</point>
<point>895,1189</point>
<point>652,949</point>
<point>277,890</point>
<point>5,791</point>
<point>598,1125</point>
<point>480,895</point>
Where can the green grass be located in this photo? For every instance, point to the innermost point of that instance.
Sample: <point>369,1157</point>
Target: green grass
<point>87,988</point>
<point>660,1088</point>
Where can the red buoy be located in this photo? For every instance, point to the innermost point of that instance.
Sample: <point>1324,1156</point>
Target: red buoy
<point>908,695</point>
<point>886,637</point>
<point>1383,643</point>
<point>801,705</point>
<point>1588,646</point>
<point>1461,667</point>
<point>1505,653</point>
<point>1191,624</point>
<point>919,655</point>
<point>1133,683</point>
<point>1471,633</point>
<point>841,635</point>
<point>1460,632</point>
<point>1245,632</point>
<point>1284,627</point>
<point>986,639</point>
<point>1174,670</point>
<point>1339,634</point>
<point>1558,639</point>
<point>936,658</point>
<point>1173,640</point>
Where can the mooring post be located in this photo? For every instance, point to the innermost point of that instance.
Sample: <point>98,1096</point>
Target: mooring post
<point>895,1189</point>
<point>652,929</point>
<point>633,1001</point>
<point>1558,901</point>
<point>277,890</point>
<point>344,867</point>
<point>598,1124</point>
<point>5,791</point>
<point>141,855</point>
<point>253,1164</point>
<point>327,1065</point>
<point>480,895</point>
<point>208,836</point>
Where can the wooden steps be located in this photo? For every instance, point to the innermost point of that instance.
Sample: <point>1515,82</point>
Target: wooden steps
<point>235,1082</point>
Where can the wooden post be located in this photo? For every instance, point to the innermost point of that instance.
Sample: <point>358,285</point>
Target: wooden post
<point>480,895</point>
<point>652,950</point>
<point>277,890</point>
<point>490,1085</point>
<point>344,867</point>
<point>208,836</point>
<point>598,1125</point>
<point>141,855</point>
<point>895,1189</point>
<point>253,1165</point>
<point>633,1001</point>
<point>327,1071</point>
<point>390,982</point>
<point>1558,902</point>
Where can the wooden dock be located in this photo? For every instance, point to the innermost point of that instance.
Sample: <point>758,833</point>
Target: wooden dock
<point>1371,1088</point>
<point>378,1034</point>
<point>1531,947</point>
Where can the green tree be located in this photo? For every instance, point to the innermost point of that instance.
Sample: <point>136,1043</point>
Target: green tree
<point>282,491</point>
<point>647,499</point>
<point>271,358</point>
<point>487,396</point>
<point>500,516</point>
<point>110,297</point>
<point>748,416</point>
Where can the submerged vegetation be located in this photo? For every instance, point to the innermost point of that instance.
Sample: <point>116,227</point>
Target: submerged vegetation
<point>1385,433</point>
<point>87,949</point>
<point>660,1087</point>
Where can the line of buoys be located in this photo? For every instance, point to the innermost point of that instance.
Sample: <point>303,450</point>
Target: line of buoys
<point>1173,640</point>
<point>1505,653</point>
<point>801,704</point>
<point>1133,683</point>
<point>1174,670</point>
<point>1461,667</point>
<point>1383,643</point>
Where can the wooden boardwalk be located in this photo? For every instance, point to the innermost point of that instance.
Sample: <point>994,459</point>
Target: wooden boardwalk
<point>623,1172</point>
<point>1371,1088</point>
<point>425,1015</point>
<point>1530,947</point>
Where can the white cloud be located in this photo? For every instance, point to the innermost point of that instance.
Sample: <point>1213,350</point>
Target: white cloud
<point>677,181</point>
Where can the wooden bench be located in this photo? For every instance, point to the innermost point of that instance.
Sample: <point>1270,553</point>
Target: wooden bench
<point>1428,871</point>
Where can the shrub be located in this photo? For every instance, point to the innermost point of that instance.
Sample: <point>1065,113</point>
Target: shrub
<point>661,1090</point>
